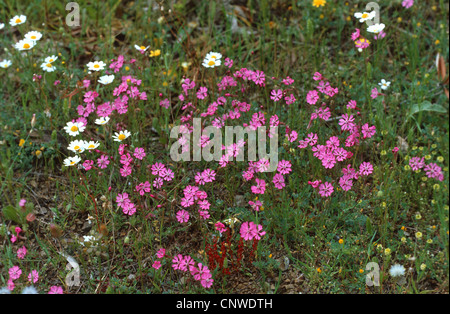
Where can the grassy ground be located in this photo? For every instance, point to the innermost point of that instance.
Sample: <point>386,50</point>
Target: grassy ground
<point>312,244</point>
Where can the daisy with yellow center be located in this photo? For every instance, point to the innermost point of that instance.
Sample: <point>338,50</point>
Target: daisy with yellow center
<point>71,161</point>
<point>24,44</point>
<point>121,136</point>
<point>102,120</point>
<point>17,20</point>
<point>74,128</point>
<point>76,146</point>
<point>91,145</point>
<point>96,66</point>
<point>211,62</point>
<point>48,67</point>
<point>33,35</point>
<point>365,16</point>
<point>141,49</point>
<point>5,64</point>
<point>50,59</point>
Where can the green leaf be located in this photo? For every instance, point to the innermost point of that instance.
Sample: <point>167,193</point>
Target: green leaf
<point>425,106</point>
<point>12,213</point>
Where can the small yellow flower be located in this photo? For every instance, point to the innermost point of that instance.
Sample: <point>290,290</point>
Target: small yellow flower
<point>418,216</point>
<point>361,271</point>
<point>399,19</point>
<point>434,145</point>
<point>407,167</point>
<point>341,241</point>
<point>21,142</point>
<point>319,3</point>
<point>437,42</point>
<point>423,266</point>
<point>419,235</point>
<point>38,154</point>
<point>127,68</point>
<point>155,53</point>
<point>440,159</point>
<point>403,240</point>
<point>424,179</point>
<point>387,252</point>
<point>429,241</point>
<point>436,187</point>
<point>319,270</point>
<point>383,152</point>
<point>428,157</point>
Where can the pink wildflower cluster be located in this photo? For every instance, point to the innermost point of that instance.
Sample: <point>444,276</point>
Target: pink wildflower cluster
<point>200,272</point>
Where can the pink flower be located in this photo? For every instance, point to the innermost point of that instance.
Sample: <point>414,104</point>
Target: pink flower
<point>176,261</point>
<point>356,34</point>
<point>103,162</point>
<point>416,163</point>
<point>312,97</point>
<point>182,216</point>
<point>33,277</point>
<point>434,171</point>
<point>88,164</point>
<point>284,167</point>
<point>22,202</point>
<point>278,181</point>
<point>220,227</point>
<point>248,231</point>
<point>21,252</point>
<point>10,285</point>
<point>351,104</point>
<point>56,290</point>
<point>276,95</point>
<point>326,189</point>
<point>256,206</point>
<point>407,3</point>
<point>14,272</point>
<point>156,265</point>
<point>365,168</point>
<point>260,187</point>
<point>347,122</point>
<point>139,153</point>
<point>129,209</point>
<point>375,93</point>
<point>315,184</point>
<point>228,62</point>
<point>161,253</point>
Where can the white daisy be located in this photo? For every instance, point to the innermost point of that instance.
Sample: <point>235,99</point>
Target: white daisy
<point>48,67</point>
<point>211,63</point>
<point>77,146</point>
<point>5,64</point>
<point>96,65</point>
<point>25,44</point>
<point>376,28</point>
<point>50,59</point>
<point>33,35</point>
<point>384,84</point>
<point>2,25</point>
<point>17,20</point>
<point>91,145</point>
<point>397,270</point>
<point>102,120</point>
<point>365,16</point>
<point>74,128</point>
<point>71,161</point>
<point>122,135</point>
<point>141,48</point>
<point>106,79</point>
<point>213,55</point>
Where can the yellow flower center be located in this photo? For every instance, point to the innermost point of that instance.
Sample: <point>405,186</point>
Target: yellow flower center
<point>96,66</point>
<point>49,65</point>
<point>33,37</point>
<point>72,162</point>
<point>26,46</point>
<point>91,146</point>
<point>142,47</point>
<point>121,137</point>
<point>211,63</point>
<point>18,20</point>
<point>365,15</point>
<point>51,60</point>
<point>213,57</point>
<point>76,147</point>
<point>74,128</point>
